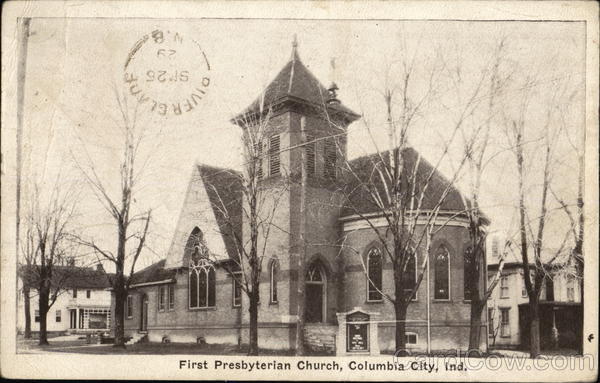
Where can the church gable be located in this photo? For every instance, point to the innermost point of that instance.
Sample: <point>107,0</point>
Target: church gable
<point>211,206</point>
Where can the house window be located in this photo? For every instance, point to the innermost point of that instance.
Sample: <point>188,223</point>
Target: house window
<point>36,315</point>
<point>273,278</point>
<point>129,307</point>
<point>571,289</point>
<point>237,289</point>
<point>504,322</point>
<point>442,273</point>
<point>410,275</point>
<point>330,157</point>
<point>58,316</point>
<point>468,271</point>
<point>88,294</point>
<point>259,160</point>
<point>161,298</point>
<point>201,284</point>
<point>171,294</point>
<point>411,338</point>
<point>504,287</point>
<point>274,156</point>
<point>523,287</point>
<point>74,293</point>
<point>375,275</point>
<point>310,155</point>
<point>490,321</point>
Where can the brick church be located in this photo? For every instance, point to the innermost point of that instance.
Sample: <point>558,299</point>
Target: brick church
<point>185,298</point>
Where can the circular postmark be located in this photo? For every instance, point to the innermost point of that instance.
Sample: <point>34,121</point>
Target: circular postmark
<point>167,71</point>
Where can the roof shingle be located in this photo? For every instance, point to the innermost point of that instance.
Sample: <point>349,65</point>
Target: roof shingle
<point>153,273</point>
<point>74,277</point>
<point>360,201</point>
<point>296,83</point>
<point>224,189</point>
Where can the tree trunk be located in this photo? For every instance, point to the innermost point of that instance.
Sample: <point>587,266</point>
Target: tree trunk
<point>119,320</point>
<point>119,285</point>
<point>301,308</point>
<point>44,295</point>
<point>475,329</point>
<point>253,335</point>
<point>534,335</point>
<point>400,309</point>
<point>27,306</point>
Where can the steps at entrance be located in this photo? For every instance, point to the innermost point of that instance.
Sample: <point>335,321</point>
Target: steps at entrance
<point>136,338</point>
<point>320,337</point>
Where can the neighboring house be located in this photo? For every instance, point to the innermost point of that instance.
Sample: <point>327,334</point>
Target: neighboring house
<point>508,306</point>
<point>82,306</point>
<point>185,298</point>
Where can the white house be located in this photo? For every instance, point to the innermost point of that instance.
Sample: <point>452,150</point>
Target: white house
<point>83,305</point>
<point>508,306</point>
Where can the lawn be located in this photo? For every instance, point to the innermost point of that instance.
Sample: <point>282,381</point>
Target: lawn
<point>151,348</point>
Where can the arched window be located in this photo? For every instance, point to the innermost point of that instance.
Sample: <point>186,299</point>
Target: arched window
<point>468,274</point>
<point>375,274</point>
<point>315,309</point>
<point>201,284</point>
<point>273,275</point>
<point>195,247</point>
<point>410,273</point>
<point>442,273</point>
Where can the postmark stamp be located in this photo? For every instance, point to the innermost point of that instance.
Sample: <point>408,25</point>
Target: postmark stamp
<point>168,71</point>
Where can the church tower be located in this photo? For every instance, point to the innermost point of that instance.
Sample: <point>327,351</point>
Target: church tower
<point>295,101</point>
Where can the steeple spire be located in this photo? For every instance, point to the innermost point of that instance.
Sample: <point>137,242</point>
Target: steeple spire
<point>294,48</point>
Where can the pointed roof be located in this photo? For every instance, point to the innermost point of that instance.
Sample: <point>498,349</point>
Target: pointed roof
<point>224,188</point>
<point>360,200</point>
<point>213,205</point>
<point>297,84</point>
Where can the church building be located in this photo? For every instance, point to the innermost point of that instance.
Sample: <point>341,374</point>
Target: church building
<point>186,298</point>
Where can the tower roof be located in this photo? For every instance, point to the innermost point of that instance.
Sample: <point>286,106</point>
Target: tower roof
<point>296,83</point>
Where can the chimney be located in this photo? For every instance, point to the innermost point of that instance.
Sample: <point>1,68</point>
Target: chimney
<point>333,88</point>
<point>99,267</point>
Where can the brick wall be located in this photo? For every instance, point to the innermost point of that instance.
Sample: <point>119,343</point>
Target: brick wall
<point>449,319</point>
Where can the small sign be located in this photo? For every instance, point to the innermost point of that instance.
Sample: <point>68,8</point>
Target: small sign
<point>357,330</point>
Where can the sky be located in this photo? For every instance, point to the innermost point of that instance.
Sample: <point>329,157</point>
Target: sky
<point>75,68</point>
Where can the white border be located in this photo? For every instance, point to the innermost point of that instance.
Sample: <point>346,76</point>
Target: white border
<point>166,366</point>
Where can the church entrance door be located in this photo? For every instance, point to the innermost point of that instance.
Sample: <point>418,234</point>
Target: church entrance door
<point>316,288</point>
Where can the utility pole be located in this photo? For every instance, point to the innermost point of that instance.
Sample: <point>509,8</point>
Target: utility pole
<point>428,308</point>
<point>302,248</point>
<point>24,39</point>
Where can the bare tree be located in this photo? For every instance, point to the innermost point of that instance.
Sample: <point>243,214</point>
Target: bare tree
<point>476,144</point>
<point>575,214</point>
<point>45,246</point>
<point>533,200</point>
<point>245,200</point>
<point>403,188</point>
<point>132,227</point>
